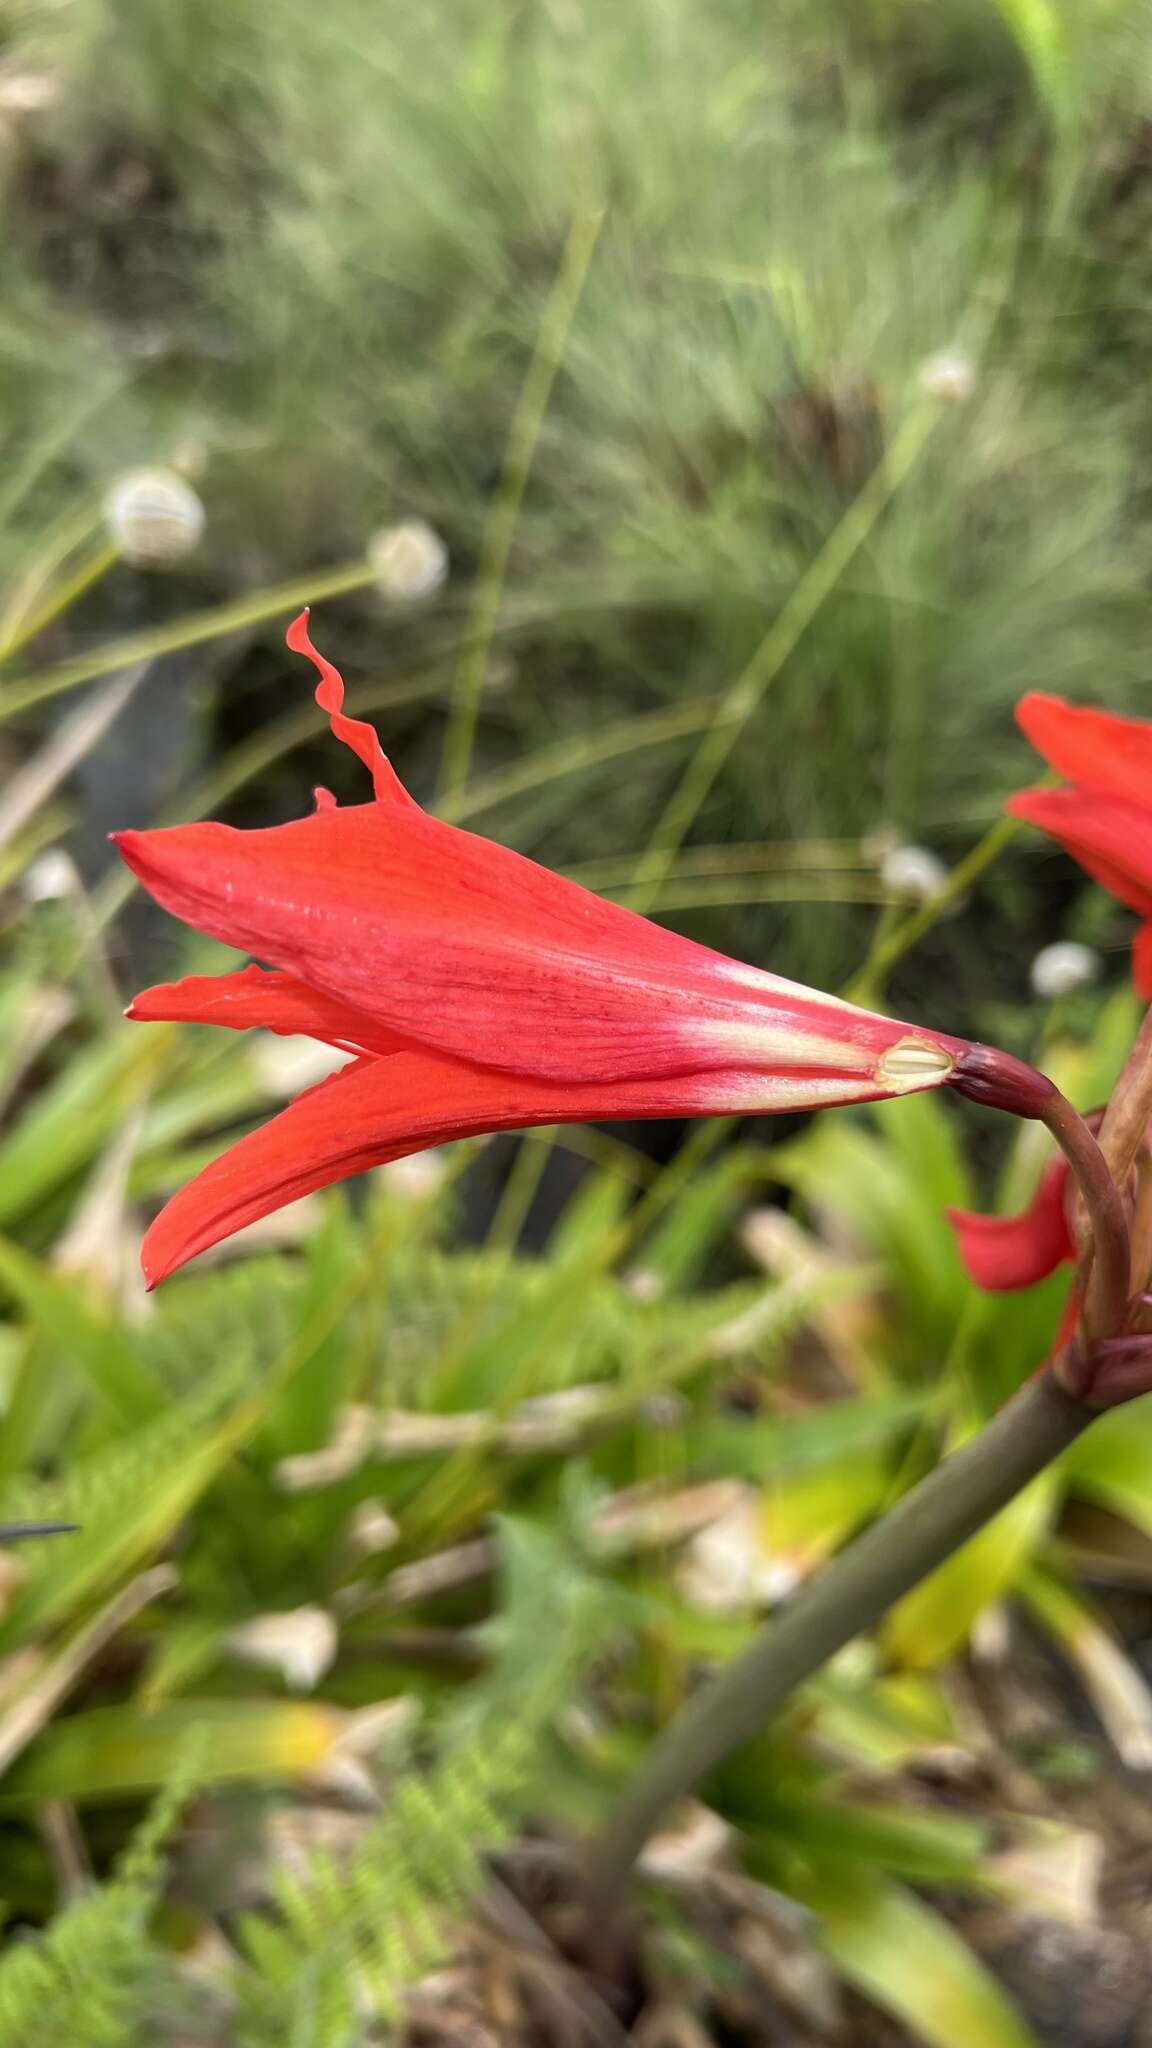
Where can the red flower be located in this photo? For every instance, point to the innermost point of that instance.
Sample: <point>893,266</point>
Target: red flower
<point>1105,819</point>
<point>1001,1253</point>
<point>477,991</point>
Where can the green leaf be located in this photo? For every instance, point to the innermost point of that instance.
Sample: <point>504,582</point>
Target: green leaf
<point>886,1723</point>
<point>904,1955</point>
<point>936,1847</point>
<point>97,1348</point>
<point>123,1524</point>
<point>67,1122</point>
<point>1112,1463</point>
<point>758,1445</point>
<point>932,1621</point>
<point>1040,34</point>
<point>872,1190</point>
<point>110,1751</point>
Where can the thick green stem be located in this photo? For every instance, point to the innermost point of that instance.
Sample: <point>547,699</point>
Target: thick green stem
<point>932,1522</point>
<point>847,1597</point>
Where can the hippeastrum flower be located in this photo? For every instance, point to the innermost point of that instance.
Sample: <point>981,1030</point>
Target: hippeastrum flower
<point>1001,1253</point>
<point>1104,820</point>
<point>475,991</point>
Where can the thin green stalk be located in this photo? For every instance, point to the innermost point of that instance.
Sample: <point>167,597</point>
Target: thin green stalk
<point>63,433</point>
<point>892,942</point>
<point>718,893</point>
<point>435,1504</point>
<point>744,696</point>
<point>756,856</point>
<point>586,750</point>
<point>501,527</point>
<point>66,594</point>
<point>950,1505</point>
<point>518,1194</point>
<point>54,548</point>
<point>191,631</point>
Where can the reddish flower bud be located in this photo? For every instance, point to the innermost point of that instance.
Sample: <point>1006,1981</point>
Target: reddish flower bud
<point>1108,1373</point>
<point>1002,1082</point>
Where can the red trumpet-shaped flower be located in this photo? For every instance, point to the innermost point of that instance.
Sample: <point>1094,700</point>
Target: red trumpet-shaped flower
<point>1104,819</point>
<point>477,993</point>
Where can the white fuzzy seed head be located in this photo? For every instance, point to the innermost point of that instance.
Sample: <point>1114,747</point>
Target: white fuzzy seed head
<point>372,1528</point>
<point>409,561</point>
<point>154,518</point>
<point>300,1645</point>
<point>913,872</point>
<point>1060,969</point>
<point>949,375</point>
<point>50,878</point>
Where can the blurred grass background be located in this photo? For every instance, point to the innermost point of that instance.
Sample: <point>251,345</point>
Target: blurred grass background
<point>775,380</point>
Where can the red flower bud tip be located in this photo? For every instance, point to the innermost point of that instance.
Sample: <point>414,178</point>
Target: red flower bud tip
<point>985,1075</point>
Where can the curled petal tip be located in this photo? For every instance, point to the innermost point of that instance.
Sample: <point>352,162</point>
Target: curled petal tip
<point>355,733</point>
<point>297,637</point>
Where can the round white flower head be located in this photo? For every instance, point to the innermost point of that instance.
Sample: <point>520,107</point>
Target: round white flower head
<point>913,872</point>
<point>300,1644</point>
<point>50,876</point>
<point>950,375</point>
<point>372,1528</point>
<point>154,518</point>
<point>1063,967</point>
<point>408,561</point>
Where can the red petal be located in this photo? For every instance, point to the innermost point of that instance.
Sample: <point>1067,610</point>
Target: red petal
<point>256,999</point>
<point>1110,755</point>
<point>376,1110</point>
<point>1004,1252</point>
<point>461,944</point>
<point>354,732</point>
<point>1142,962</point>
<point>1110,839</point>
